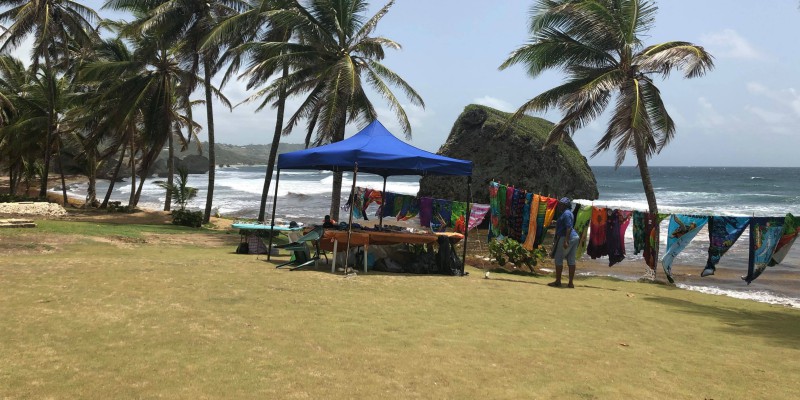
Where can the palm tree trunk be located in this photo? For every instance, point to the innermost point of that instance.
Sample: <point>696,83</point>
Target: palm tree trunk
<point>210,121</point>
<point>273,149</point>
<point>48,139</point>
<point>139,189</point>
<point>170,172</point>
<point>336,190</point>
<point>61,173</point>
<point>133,174</point>
<point>641,160</point>
<point>114,178</point>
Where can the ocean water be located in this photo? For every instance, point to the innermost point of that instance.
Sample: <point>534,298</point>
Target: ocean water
<point>736,191</point>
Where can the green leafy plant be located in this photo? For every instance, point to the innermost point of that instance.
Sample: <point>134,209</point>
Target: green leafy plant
<point>183,217</point>
<point>509,250</point>
<point>181,193</point>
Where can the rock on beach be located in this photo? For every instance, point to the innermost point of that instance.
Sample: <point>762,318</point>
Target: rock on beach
<point>44,209</point>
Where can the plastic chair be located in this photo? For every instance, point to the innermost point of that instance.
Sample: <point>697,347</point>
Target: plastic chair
<point>301,251</point>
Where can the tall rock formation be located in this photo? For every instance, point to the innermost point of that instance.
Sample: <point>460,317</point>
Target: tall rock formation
<point>512,156</point>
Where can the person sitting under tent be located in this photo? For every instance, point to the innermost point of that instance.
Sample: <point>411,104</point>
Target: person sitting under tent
<point>328,222</point>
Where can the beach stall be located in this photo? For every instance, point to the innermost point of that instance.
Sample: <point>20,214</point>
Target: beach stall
<point>375,150</point>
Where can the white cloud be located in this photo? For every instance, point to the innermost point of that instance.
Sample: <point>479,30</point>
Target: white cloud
<point>729,44</point>
<point>778,109</point>
<point>495,103</point>
<point>709,116</point>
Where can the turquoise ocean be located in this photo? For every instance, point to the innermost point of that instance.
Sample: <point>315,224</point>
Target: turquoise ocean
<point>304,196</point>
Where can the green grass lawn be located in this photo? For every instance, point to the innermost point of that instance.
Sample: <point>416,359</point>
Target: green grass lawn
<point>82,316</point>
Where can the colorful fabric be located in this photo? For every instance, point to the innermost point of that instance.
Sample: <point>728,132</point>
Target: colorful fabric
<point>515,218</point>
<point>532,222</point>
<point>425,211</point>
<point>765,232</point>
<point>442,212</point>
<point>682,229</point>
<point>398,204</point>
<point>494,207</point>
<point>583,216</point>
<point>501,205</point>
<point>618,221</point>
<point>477,214</point>
<point>639,236</point>
<point>409,207</point>
<point>597,237</point>
<point>458,215</point>
<point>526,217</point>
<point>791,229</point>
<point>550,212</point>
<point>370,196</point>
<point>723,232</point>
<point>652,233</point>
<point>387,208</point>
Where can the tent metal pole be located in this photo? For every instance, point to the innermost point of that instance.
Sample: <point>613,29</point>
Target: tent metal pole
<point>350,217</point>
<point>274,205</point>
<point>383,204</point>
<point>466,223</point>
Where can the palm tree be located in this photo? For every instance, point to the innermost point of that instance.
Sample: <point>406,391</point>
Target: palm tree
<point>330,60</point>
<point>54,23</point>
<point>187,23</point>
<point>597,43</point>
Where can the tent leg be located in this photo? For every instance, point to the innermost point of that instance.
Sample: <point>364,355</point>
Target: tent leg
<point>383,204</point>
<point>274,205</point>
<point>466,224</point>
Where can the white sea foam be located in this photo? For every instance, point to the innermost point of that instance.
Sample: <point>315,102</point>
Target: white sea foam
<point>762,296</point>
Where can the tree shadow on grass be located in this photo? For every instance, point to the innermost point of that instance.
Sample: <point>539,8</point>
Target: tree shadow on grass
<point>781,328</point>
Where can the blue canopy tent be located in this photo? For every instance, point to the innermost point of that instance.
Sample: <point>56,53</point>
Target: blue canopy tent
<point>376,151</point>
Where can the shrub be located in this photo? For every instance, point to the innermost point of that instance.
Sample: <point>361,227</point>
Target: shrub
<point>193,219</point>
<point>509,250</point>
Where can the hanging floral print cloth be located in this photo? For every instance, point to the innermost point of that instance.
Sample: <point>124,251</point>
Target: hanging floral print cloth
<point>765,232</point>
<point>723,232</point>
<point>582,219</point>
<point>526,217</point>
<point>494,210</point>
<point>442,212</point>
<point>652,232</point>
<point>618,221</point>
<point>638,232</point>
<point>458,215</point>
<point>532,220</point>
<point>597,233</point>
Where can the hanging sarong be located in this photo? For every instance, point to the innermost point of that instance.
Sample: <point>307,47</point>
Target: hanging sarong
<point>550,212</point>
<point>764,235</point>
<point>723,232</point>
<point>652,233</point>
<point>515,221</point>
<point>399,199</point>
<point>682,229</point>
<point>618,221</point>
<point>791,228</point>
<point>532,222</point>
<point>639,236</point>
<point>387,209</point>
<point>370,196</point>
<point>526,217</point>
<point>494,207</point>
<point>501,205</point>
<point>477,215</point>
<point>425,211</point>
<point>458,215</point>
<point>597,233</point>
<point>582,219</point>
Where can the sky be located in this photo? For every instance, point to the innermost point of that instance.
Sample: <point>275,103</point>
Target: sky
<point>745,112</point>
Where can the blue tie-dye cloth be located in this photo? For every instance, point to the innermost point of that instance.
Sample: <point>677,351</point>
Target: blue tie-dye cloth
<point>723,232</point>
<point>764,235</point>
<point>526,216</point>
<point>682,229</point>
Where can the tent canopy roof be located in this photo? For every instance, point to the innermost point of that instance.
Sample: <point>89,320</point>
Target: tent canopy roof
<point>376,151</point>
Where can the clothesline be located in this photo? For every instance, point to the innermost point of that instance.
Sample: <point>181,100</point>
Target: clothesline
<point>526,217</point>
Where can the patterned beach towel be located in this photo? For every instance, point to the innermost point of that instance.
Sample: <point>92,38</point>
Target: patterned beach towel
<point>442,212</point>
<point>651,244</point>
<point>515,221</point>
<point>791,228</point>
<point>387,208</point>
<point>639,236</point>
<point>550,212</point>
<point>616,226</point>
<point>458,215</point>
<point>682,229</point>
<point>723,232</point>
<point>764,235</point>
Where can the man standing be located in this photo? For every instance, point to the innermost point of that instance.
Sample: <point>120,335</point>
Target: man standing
<point>566,243</point>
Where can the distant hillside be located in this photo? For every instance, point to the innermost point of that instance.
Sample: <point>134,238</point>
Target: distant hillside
<point>229,154</point>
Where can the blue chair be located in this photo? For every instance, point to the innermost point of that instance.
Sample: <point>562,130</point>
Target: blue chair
<point>301,251</point>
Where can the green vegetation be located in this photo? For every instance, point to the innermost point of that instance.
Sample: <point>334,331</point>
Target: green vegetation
<point>182,316</point>
<point>510,250</point>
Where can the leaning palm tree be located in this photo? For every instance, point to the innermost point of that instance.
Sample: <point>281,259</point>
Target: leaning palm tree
<point>53,23</point>
<point>597,43</point>
<point>330,60</point>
